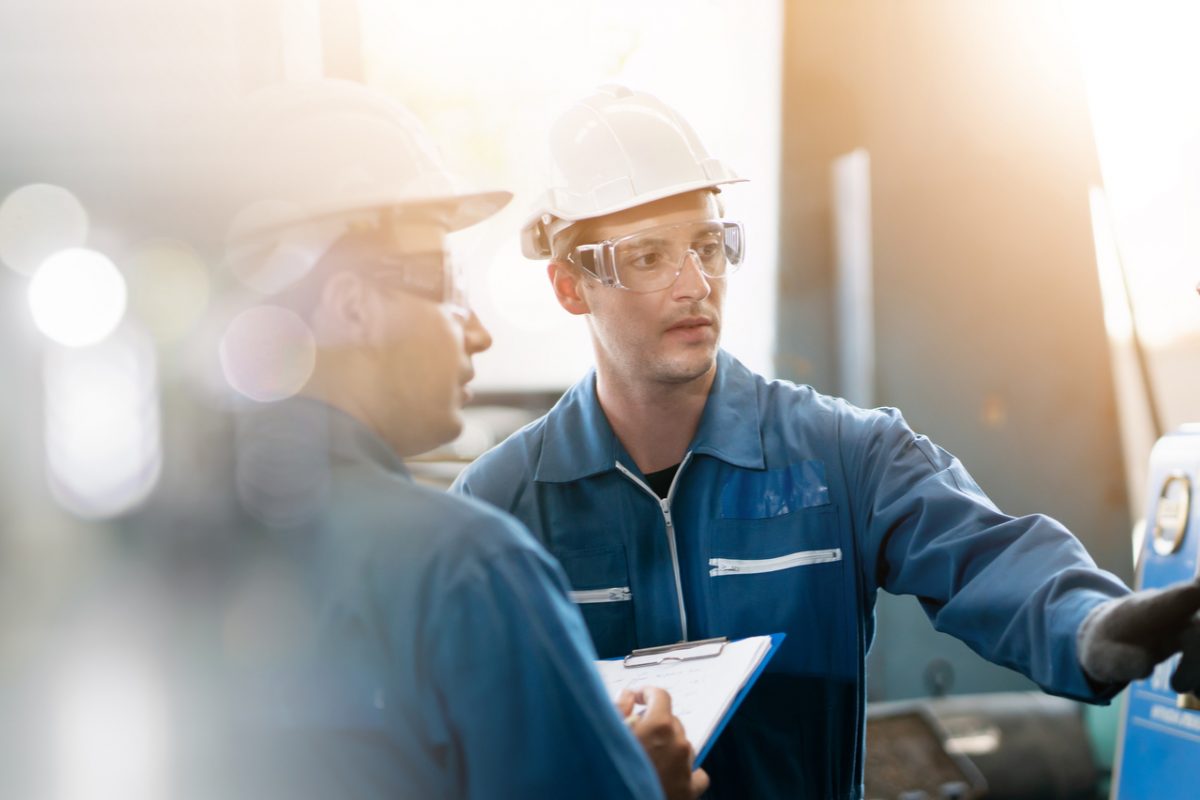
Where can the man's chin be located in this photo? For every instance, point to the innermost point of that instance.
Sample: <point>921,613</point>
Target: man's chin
<point>452,429</point>
<point>690,368</point>
<point>430,436</point>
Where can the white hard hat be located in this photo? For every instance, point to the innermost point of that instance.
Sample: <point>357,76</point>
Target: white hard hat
<point>310,157</point>
<point>615,150</point>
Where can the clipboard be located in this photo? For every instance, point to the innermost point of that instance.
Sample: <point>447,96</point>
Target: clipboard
<point>685,661</point>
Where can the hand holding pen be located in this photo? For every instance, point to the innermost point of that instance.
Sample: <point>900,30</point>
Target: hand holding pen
<point>661,736</point>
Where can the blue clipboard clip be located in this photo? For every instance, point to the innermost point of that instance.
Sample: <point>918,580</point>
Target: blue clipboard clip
<point>682,651</point>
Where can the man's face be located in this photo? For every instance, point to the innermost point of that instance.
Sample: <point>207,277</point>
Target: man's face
<point>419,352</point>
<point>665,336</point>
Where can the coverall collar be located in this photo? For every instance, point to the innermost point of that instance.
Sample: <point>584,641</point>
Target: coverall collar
<point>351,440</point>
<point>579,441</point>
<point>307,425</point>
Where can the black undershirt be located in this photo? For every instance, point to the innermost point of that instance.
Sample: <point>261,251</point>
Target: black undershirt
<point>660,481</point>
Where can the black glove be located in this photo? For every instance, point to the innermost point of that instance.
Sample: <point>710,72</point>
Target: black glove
<point>1123,639</point>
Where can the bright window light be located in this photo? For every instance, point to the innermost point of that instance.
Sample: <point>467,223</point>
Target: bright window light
<point>77,297</point>
<point>1140,63</point>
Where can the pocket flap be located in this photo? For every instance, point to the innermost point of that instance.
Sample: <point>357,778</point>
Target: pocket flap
<point>762,494</point>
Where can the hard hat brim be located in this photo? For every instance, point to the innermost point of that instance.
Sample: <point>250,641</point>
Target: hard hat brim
<point>634,202</point>
<point>532,250</point>
<point>455,211</point>
<point>463,211</point>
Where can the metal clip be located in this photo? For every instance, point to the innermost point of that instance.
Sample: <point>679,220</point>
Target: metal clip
<point>682,651</point>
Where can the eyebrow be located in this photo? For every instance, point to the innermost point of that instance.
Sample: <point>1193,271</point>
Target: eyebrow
<point>647,242</point>
<point>698,235</point>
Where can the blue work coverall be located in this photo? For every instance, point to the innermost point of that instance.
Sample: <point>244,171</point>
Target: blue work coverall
<point>790,511</point>
<point>440,655</point>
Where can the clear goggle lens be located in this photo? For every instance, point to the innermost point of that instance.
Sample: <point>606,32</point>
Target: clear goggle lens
<point>434,276</point>
<point>651,259</point>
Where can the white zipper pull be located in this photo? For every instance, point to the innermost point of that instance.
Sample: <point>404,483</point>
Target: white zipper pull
<point>666,508</point>
<point>616,594</point>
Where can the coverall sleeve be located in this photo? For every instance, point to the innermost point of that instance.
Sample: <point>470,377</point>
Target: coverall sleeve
<point>1014,589</point>
<point>511,662</point>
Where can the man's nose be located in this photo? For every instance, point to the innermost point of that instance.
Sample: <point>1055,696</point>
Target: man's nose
<point>476,337</point>
<point>690,283</point>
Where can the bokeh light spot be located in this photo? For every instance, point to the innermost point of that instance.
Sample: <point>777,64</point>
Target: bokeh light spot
<point>77,297</point>
<point>168,287</point>
<point>267,353</point>
<point>37,221</point>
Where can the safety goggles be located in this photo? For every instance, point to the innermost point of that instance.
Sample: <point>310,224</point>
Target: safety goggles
<point>651,259</point>
<point>433,276</point>
<point>374,246</point>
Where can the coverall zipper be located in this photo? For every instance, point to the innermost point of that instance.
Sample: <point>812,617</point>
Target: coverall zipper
<point>665,506</point>
<point>745,566</point>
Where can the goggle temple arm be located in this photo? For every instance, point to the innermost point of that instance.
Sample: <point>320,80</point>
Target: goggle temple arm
<point>735,242</point>
<point>454,284</point>
<point>597,261</point>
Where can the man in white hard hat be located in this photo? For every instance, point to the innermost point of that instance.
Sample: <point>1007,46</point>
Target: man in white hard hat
<point>719,503</point>
<point>430,649</point>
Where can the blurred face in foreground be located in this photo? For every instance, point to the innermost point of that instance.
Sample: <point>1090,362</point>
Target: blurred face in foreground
<point>398,336</point>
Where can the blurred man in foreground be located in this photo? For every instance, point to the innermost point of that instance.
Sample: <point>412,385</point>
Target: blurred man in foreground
<point>430,649</point>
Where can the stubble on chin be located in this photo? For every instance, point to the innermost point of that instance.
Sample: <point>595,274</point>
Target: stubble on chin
<point>685,368</point>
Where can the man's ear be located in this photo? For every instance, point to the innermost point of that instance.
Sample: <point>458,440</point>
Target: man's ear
<point>344,314</point>
<point>566,283</point>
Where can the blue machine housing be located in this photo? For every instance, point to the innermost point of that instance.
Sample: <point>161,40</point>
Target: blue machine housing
<point>1159,745</point>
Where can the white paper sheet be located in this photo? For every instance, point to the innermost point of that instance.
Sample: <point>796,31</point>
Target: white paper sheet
<point>701,689</point>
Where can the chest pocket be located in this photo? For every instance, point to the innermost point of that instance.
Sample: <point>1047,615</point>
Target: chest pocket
<point>774,492</point>
<point>599,580</point>
<point>778,562</point>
